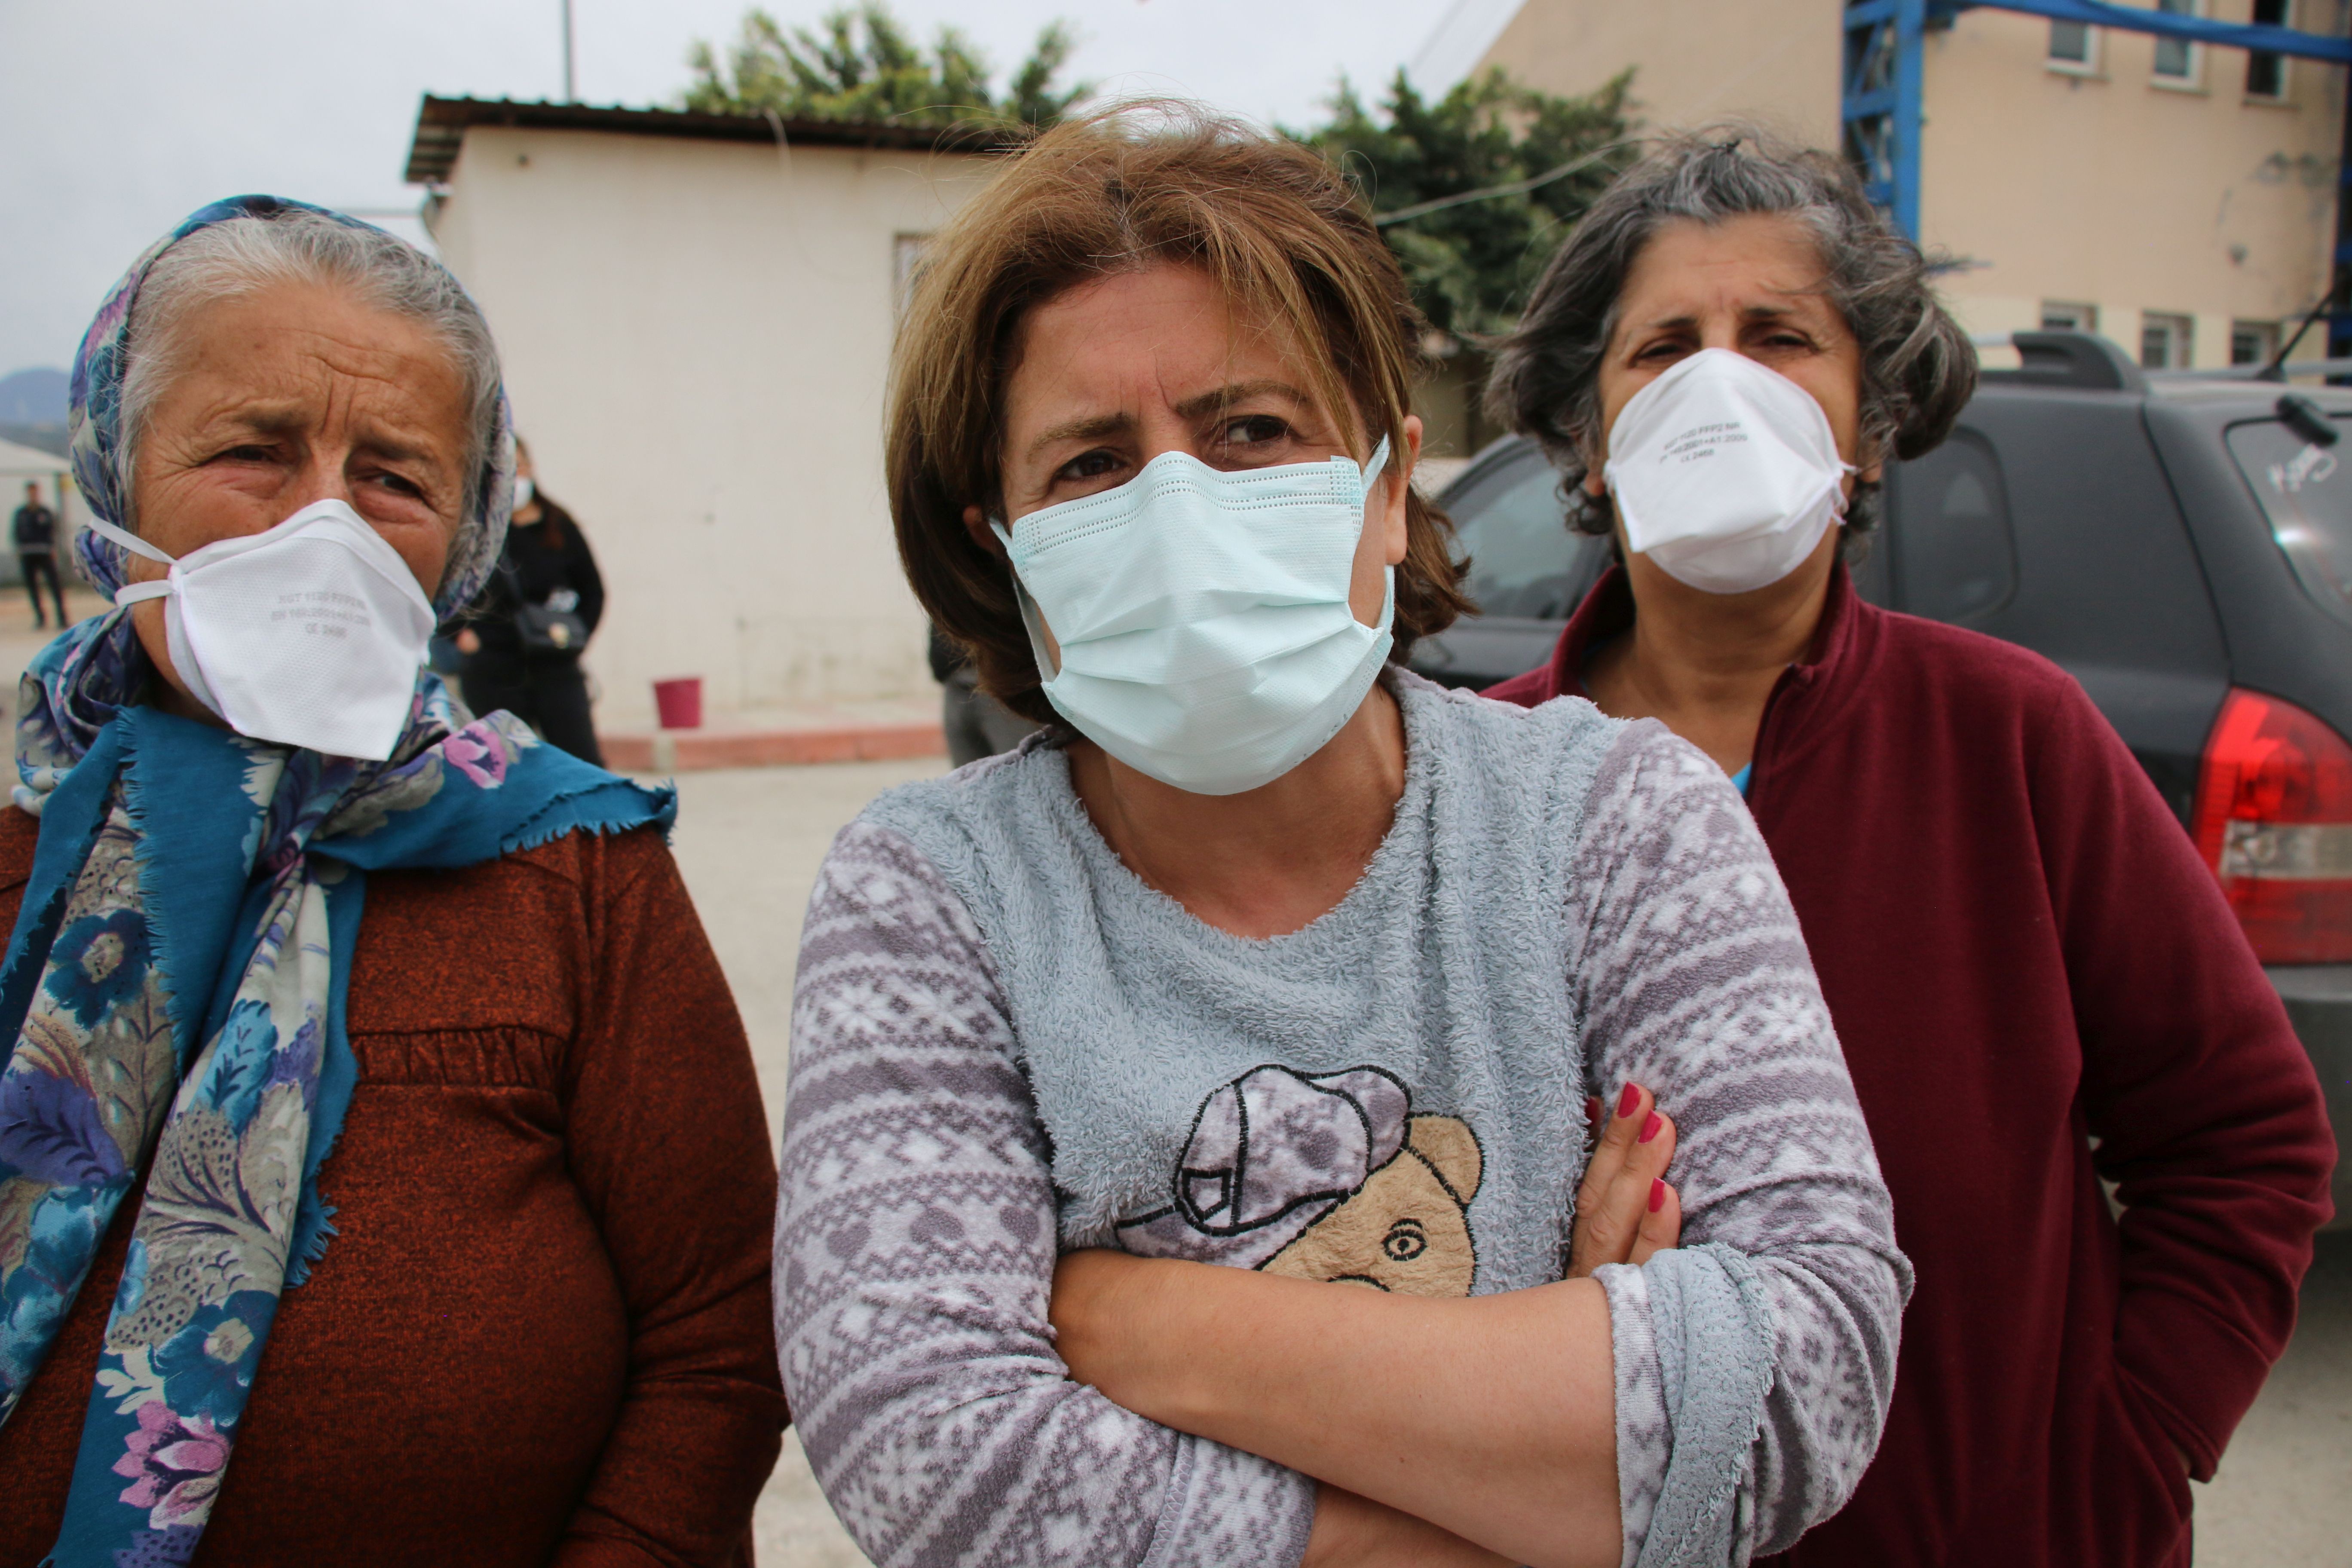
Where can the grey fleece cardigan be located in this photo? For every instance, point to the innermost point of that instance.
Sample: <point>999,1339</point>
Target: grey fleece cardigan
<point>1004,1043</point>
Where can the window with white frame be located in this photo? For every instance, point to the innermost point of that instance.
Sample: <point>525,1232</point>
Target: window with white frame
<point>2165,341</point>
<point>2254,342</point>
<point>2067,316</point>
<point>2073,49</point>
<point>2178,62</point>
<point>2266,72</point>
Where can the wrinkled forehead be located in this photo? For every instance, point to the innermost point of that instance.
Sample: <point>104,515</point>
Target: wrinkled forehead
<point>300,358</point>
<point>1755,266</point>
<point>1167,332</point>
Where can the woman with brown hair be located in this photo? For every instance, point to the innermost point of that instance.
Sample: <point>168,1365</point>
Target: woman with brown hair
<point>1267,955</point>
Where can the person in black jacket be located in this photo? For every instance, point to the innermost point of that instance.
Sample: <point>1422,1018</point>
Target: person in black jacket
<point>36,532</point>
<point>522,636</point>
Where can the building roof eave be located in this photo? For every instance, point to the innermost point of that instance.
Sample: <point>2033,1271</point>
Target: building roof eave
<point>442,124</point>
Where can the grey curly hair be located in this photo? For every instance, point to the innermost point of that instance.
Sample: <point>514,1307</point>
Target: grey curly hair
<point>1918,369</point>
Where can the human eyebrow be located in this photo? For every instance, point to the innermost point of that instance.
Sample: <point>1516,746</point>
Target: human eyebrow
<point>395,448</point>
<point>1092,428</point>
<point>1223,397</point>
<point>230,424</point>
<point>1685,319</point>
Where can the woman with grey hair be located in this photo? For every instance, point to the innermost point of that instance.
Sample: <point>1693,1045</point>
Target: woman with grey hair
<point>429,1158</point>
<point>2036,983</point>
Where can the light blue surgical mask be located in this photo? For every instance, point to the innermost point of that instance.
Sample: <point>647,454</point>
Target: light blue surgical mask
<point>1203,616</point>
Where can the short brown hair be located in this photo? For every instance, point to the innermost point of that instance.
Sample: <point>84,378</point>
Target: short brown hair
<point>1284,236</point>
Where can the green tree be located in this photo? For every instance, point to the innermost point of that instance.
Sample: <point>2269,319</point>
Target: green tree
<point>861,64</point>
<point>1528,162</point>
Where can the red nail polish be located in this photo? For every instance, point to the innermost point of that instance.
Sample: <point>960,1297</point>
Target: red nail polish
<point>1593,1107</point>
<point>1628,1100</point>
<point>1657,1194</point>
<point>1650,1127</point>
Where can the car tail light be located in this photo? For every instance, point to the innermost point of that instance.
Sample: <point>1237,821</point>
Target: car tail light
<point>2273,820</point>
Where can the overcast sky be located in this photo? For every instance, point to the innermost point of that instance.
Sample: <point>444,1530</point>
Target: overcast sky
<point>119,117</point>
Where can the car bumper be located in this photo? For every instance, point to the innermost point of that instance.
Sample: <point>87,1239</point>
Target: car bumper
<point>2318,998</point>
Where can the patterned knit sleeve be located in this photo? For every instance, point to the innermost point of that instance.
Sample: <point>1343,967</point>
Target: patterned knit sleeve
<point>915,1252</point>
<point>1692,978</point>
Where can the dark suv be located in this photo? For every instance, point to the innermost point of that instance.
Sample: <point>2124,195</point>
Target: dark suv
<point>2182,545</point>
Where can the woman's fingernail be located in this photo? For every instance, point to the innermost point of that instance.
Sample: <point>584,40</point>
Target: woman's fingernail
<point>1593,1107</point>
<point>1650,1127</point>
<point>1657,1194</point>
<point>1628,1100</point>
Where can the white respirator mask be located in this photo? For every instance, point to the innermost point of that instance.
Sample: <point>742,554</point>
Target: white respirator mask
<point>1203,616</point>
<point>309,635</point>
<point>1726,474</point>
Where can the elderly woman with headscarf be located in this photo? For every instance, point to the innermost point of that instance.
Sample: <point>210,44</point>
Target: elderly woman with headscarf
<point>382,1172</point>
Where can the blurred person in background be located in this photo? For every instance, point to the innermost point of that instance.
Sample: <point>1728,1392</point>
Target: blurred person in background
<point>2036,982</point>
<point>34,529</point>
<point>523,638</point>
<point>977,725</point>
<point>1187,1111</point>
<point>382,1178</point>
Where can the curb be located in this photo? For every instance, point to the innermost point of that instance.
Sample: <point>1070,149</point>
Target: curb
<point>691,751</point>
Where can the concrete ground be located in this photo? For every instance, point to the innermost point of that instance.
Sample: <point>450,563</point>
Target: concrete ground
<point>750,841</point>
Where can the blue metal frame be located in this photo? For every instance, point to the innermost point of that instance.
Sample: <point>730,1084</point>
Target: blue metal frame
<point>1880,107</point>
<point>1884,48</point>
<point>2195,29</point>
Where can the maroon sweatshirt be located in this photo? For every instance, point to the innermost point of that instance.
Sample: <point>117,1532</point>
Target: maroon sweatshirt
<point>2023,955</point>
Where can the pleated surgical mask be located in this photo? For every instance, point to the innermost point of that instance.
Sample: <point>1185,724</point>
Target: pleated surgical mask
<point>309,634</point>
<point>1726,474</point>
<point>1203,617</point>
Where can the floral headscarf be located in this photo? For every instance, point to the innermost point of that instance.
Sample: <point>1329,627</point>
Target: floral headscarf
<point>172,997</point>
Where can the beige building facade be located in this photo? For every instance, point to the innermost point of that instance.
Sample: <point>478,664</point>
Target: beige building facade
<point>695,316</point>
<point>2179,199</point>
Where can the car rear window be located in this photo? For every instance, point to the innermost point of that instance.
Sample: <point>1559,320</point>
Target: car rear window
<point>1955,559</point>
<point>1513,525</point>
<point>2306,492</point>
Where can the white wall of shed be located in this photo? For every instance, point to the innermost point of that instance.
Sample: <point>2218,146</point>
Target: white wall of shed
<point>695,337</point>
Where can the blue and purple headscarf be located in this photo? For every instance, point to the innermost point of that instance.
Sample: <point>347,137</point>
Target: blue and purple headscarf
<point>172,997</point>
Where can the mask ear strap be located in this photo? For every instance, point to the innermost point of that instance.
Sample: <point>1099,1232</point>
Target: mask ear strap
<point>1047,668</point>
<point>127,539</point>
<point>1379,460</point>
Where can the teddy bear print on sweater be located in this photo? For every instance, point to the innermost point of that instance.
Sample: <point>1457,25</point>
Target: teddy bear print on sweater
<point>1330,1177</point>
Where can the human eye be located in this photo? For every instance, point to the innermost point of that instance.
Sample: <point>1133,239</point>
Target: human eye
<point>398,484</point>
<point>1660,351</point>
<point>1254,439</point>
<point>1087,466</point>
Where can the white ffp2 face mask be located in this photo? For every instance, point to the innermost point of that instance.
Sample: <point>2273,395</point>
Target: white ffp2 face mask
<point>1726,474</point>
<point>309,635</point>
<point>1203,616</point>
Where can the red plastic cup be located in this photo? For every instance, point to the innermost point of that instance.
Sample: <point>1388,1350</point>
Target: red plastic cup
<point>679,702</point>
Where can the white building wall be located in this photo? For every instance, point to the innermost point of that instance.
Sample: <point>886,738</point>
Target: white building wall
<point>695,337</point>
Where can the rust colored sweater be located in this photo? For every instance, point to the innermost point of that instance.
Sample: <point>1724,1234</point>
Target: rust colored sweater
<point>542,1331</point>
